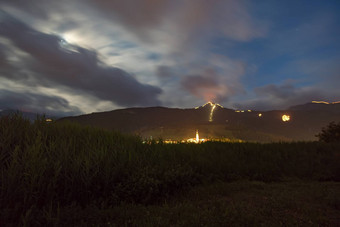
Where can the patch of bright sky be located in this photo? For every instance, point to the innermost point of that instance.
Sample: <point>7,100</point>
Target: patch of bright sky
<point>85,103</point>
<point>115,47</point>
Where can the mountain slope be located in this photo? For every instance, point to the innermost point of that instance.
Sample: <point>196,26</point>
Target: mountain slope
<point>218,122</point>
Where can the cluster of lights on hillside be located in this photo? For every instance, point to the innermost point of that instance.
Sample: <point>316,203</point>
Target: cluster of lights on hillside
<point>249,111</point>
<point>284,117</point>
<point>242,111</point>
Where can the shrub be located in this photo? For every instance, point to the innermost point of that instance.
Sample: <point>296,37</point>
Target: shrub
<point>330,134</point>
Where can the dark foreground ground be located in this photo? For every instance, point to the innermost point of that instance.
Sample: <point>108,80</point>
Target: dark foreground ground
<point>243,203</point>
<point>61,174</point>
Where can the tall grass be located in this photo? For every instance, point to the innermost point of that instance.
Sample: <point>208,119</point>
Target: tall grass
<point>45,166</point>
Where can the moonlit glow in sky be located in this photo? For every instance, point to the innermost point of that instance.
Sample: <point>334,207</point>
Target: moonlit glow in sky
<point>71,57</point>
<point>70,38</point>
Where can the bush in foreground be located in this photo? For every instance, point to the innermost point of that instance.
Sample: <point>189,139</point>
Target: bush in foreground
<point>331,133</point>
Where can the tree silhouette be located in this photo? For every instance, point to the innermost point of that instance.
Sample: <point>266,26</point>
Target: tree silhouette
<point>331,133</point>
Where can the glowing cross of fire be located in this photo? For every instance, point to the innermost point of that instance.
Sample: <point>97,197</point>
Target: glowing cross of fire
<point>213,106</point>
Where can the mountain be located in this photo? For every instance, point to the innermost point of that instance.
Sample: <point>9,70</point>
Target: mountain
<point>214,121</point>
<point>321,107</point>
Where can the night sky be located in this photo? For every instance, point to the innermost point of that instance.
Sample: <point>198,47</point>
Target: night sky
<point>67,57</point>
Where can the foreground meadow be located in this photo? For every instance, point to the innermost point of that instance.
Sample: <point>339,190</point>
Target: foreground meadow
<point>62,174</point>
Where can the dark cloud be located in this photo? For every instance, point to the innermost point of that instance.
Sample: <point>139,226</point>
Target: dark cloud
<point>34,7</point>
<point>36,103</point>
<point>164,72</point>
<point>53,62</point>
<point>206,85</point>
<point>279,92</point>
<point>142,14</point>
<point>137,16</point>
<point>3,60</point>
<point>193,20</point>
<point>176,30</point>
<point>181,36</point>
<point>326,70</point>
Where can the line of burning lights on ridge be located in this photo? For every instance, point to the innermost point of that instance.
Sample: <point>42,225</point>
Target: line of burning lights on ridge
<point>324,102</point>
<point>211,104</point>
<point>242,111</point>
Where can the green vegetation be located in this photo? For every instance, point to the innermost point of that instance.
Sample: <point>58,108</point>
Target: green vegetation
<point>330,134</point>
<point>65,174</point>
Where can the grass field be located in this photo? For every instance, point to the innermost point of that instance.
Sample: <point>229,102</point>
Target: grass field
<point>65,174</point>
<point>239,203</point>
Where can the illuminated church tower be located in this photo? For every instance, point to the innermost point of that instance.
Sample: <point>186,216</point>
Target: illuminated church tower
<point>197,136</point>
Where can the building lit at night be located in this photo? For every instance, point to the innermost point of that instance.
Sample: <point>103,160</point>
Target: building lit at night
<point>197,139</point>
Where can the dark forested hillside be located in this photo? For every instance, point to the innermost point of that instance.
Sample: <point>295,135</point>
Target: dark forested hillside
<point>177,124</point>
